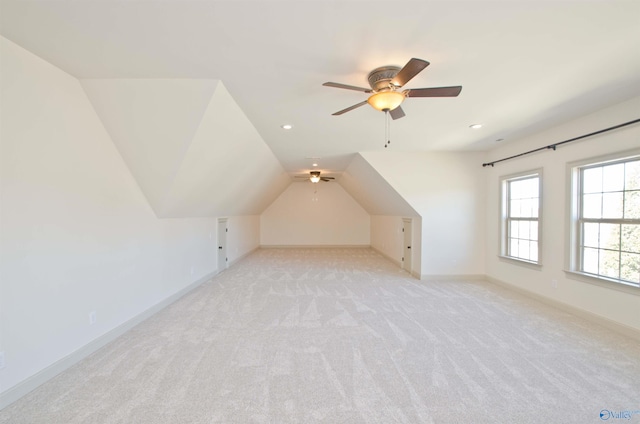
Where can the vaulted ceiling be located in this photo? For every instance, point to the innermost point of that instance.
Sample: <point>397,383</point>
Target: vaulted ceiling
<point>206,85</point>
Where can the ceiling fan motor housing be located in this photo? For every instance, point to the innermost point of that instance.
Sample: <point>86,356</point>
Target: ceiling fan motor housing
<point>380,78</point>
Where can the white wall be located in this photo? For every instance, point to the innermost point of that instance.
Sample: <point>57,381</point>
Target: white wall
<point>309,214</point>
<point>367,187</point>
<point>386,207</point>
<point>447,190</point>
<point>387,238</point>
<point>77,233</point>
<point>243,236</point>
<point>607,302</point>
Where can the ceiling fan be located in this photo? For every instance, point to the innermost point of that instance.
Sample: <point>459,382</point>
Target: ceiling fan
<point>314,177</point>
<point>385,82</point>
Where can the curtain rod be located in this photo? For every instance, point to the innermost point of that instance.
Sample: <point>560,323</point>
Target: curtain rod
<point>554,145</point>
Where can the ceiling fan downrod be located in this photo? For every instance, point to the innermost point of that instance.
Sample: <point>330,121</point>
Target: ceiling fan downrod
<point>387,129</point>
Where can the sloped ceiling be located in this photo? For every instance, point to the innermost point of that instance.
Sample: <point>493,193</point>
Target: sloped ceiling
<point>524,65</point>
<point>189,146</point>
<point>372,191</point>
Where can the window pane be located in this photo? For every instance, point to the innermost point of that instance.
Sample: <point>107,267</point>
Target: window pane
<point>590,260</point>
<point>534,251</point>
<point>592,180</point>
<point>610,263</point>
<point>534,207</point>
<point>515,207</point>
<point>531,204</point>
<point>592,206</point>
<point>534,231</point>
<point>524,249</point>
<point>524,229</point>
<point>515,190</point>
<point>522,198</point>
<point>523,189</point>
<point>613,177</point>
<point>610,236</point>
<point>532,185</point>
<point>630,267</point>
<point>609,199</point>
<point>612,205</point>
<point>514,229</point>
<point>631,238</point>
<point>632,204</point>
<point>513,247</point>
<point>632,175</point>
<point>525,208</point>
<point>591,234</point>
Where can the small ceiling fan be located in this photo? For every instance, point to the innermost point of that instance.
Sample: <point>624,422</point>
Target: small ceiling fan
<point>385,82</point>
<point>314,177</point>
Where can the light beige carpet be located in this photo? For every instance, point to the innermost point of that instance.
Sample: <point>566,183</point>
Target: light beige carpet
<point>344,336</point>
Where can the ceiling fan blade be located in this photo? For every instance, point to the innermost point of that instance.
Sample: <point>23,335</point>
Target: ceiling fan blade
<point>347,87</point>
<point>434,92</point>
<point>410,70</point>
<point>327,178</point>
<point>357,105</point>
<point>397,113</point>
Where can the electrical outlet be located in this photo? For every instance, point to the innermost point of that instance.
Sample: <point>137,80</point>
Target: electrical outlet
<point>92,317</point>
<point>2,363</point>
<point>554,283</point>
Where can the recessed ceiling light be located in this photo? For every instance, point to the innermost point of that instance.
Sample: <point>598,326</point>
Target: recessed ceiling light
<point>286,126</point>
<point>315,164</point>
<point>475,126</point>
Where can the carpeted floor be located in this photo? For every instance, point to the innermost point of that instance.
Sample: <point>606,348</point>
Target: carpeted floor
<point>344,336</point>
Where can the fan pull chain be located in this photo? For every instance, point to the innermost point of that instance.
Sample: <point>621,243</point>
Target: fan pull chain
<point>387,129</point>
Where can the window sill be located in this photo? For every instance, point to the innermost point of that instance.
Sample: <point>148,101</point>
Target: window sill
<point>527,264</point>
<point>603,282</point>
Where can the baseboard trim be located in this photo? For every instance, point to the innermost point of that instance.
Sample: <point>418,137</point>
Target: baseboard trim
<point>31,383</point>
<point>582,313</point>
<point>453,277</point>
<point>315,246</point>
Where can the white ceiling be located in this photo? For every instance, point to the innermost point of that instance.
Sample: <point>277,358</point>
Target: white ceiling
<point>524,65</point>
<point>184,139</point>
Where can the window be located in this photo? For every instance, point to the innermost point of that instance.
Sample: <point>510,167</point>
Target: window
<point>606,220</point>
<point>521,217</point>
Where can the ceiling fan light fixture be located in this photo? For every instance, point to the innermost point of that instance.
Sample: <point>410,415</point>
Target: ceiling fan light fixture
<point>315,177</point>
<point>386,100</point>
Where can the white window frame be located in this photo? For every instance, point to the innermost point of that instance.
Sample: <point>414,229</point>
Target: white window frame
<point>574,265</point>
<point>505,217</point>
